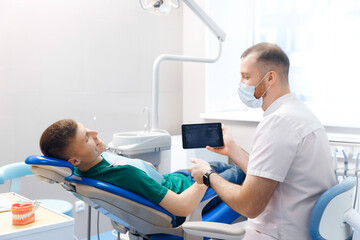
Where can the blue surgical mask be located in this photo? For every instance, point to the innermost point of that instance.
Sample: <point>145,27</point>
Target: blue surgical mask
<point>246,94</point>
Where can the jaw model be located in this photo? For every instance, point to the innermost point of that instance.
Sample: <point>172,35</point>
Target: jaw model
<point>23,213</point>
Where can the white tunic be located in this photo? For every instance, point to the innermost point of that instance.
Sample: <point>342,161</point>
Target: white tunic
<point>290,146</point>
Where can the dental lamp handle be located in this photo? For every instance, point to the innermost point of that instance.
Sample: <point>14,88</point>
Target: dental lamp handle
<point>156,67</point>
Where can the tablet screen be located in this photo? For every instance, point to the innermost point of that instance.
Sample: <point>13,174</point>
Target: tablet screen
<point>201,135</point>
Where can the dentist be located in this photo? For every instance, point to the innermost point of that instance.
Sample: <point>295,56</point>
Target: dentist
<point>289,165</point>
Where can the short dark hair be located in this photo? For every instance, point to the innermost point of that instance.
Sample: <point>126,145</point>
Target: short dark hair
<point>270,54</point>
<point>55,140</point>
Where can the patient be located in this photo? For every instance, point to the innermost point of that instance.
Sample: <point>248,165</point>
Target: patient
<point>177,193</point>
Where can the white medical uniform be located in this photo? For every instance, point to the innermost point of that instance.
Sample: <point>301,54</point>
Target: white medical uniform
<point>290,146</point>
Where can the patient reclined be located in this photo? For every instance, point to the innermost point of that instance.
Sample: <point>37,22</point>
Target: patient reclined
<point>128,209</point>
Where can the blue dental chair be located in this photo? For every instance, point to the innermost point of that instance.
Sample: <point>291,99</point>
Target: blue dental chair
<point>132,213</point>
<point>15,171</point>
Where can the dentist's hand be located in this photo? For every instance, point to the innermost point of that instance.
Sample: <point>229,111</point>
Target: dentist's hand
<point>199,168</point>
<point>229,145</point>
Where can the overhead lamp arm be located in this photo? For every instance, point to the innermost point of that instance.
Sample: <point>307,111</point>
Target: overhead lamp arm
<point>156,68</point>
<point>219,33</point>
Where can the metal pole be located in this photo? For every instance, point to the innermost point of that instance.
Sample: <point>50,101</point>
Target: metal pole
<point>89,223</point>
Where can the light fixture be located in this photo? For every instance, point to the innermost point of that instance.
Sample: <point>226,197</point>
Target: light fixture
<point>160,7</point>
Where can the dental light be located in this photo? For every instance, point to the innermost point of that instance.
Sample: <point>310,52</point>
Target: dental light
<point>159,7</point>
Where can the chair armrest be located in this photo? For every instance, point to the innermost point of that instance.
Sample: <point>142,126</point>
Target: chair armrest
<point>353,219</point>
<point>196,215</point>
<point>219,213</point>
<point>214,230</point>
<point>209,194</point>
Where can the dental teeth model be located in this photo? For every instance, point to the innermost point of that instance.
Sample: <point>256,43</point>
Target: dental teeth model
<point>24,213</point>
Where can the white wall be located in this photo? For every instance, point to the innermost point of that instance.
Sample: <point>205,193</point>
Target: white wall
<point>79,59</point>
<point>193,73</point>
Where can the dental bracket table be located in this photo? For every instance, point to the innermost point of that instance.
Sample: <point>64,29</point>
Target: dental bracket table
<point>48,224</point>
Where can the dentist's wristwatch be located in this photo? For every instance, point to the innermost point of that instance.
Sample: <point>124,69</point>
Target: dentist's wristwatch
<point>206,177</point>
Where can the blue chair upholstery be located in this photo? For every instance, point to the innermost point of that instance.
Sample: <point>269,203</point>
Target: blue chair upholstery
<point>135,213</point>
<point>15,171</point>
<point>333,215</point>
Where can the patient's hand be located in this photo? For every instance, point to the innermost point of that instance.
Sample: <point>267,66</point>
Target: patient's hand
<point>150,164</point>
<point>199,168</point>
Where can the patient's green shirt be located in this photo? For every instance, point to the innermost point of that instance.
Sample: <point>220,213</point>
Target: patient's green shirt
<point>136,180</point>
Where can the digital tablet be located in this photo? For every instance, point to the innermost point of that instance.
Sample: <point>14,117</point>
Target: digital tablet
<point>201,135</point>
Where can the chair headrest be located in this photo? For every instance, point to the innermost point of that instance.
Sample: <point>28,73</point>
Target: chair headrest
<point>59,166</point>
